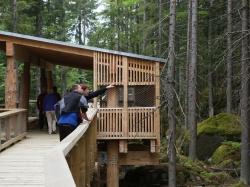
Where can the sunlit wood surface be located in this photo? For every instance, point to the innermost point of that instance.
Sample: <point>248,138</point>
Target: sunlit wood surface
<point>23,163</point>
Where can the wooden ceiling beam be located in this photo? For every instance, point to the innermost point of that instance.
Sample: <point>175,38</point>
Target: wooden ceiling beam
<point>48,46</point>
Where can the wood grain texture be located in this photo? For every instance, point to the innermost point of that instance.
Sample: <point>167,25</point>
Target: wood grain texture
<point>22,164</point>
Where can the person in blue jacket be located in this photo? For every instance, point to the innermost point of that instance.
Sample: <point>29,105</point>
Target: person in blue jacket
<point>74,106</point>
<point>48,105</point>
<point>71,106</point>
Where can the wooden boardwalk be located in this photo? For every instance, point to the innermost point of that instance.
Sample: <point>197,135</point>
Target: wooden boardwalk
<point>22,164</point>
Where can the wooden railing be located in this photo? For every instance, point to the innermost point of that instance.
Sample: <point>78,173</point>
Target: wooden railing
<point>141,123</point>
<point>13,124</point>
<point>109,69</point>
<point>71,163</point>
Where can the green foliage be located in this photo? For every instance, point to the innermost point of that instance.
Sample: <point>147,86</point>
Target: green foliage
<point>227,155</point>
<point>199,170</point>
<point>222,124</point>
<point>2,76</point>
<point>239,184</point>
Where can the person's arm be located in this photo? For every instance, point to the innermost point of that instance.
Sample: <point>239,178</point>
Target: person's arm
<point>96,93</point>
<point>99,92</point>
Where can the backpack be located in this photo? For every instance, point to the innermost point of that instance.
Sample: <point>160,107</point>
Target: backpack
<point>58,108</point>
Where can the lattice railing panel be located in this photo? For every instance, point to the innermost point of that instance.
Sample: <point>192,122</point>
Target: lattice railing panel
<point>141,72</point>
<point>109,68</point>
<point>141,123</point>
<point>110,122</point>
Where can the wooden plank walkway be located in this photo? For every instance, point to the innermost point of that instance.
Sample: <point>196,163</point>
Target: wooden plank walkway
<point>23,163</point>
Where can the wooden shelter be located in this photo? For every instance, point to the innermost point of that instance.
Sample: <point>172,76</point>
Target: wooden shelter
<point>128,117</point>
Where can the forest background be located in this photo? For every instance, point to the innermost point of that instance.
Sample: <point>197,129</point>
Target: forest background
<point>142,27</point>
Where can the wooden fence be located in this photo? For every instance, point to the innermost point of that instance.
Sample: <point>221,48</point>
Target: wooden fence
<point>140,123</point>
<point>109,69</point>
<point>72,162</point>
<point>13,123</point>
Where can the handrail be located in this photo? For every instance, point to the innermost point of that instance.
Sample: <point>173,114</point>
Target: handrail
<point>10,112</point>
<point>71,162</point>
<point>13,123</point>
<point>140,123</point>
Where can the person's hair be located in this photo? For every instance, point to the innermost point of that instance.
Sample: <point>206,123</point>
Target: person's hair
<point>54,89</point>
<point>74,87</point>
<point>84,86</point>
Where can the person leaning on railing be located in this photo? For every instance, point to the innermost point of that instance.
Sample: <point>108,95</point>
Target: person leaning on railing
<point>70,107</point>
<point>90,95</point>
<point>73,108</point>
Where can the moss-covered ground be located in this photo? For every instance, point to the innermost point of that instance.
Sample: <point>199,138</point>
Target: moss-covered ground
<point>222,124</point>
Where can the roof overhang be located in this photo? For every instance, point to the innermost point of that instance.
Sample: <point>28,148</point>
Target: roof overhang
<point>56,52</point>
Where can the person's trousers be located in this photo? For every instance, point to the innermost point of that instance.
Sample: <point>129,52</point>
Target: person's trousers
<point>51,118</point>
<point>41,119</point>
<point>65,130</point>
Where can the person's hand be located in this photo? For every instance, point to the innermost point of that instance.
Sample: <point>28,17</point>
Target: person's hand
<point>111,86</point>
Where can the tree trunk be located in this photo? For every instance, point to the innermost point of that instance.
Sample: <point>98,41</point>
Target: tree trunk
<point>14,16</point>
<point>84,30</point>
<point>160,28</point>
<point>39,18</point>
<point>192,84</point>
<point>229,56</point>
<point>64,80</point>
<point>79,33</point>
<point>170,96</point>
<point>189,29</point>
<point>244,170</point>
<point>144,42</point>
<point>210,79</point>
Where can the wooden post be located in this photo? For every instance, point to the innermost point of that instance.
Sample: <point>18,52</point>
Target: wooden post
<point>83,153</point>
<point>10,81</point>
<point>75,159</point>
<point>157,105</point>
<point>112,98</point>
<point>25,87</point>
<point>112,167</point>
<point>123,144</point>
<point>95,77</point>
<point>49,68</point>
<point>7,128</point>
<point>1,121</point>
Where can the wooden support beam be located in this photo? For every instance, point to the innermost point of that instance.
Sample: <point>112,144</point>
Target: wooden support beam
<point>157,104</point>
<point>125,100</point>
<point>43,81</point>
<point>49,46</point>
<point>152,146</point>
<point>75,160</point>
<point>112,98</point>
<point>49,68</point>
<point>123,146</point>
<point>9,49</point>
<point>95,74</point>
<point>139,158</point>
<point>10,81</point>
<point>83,164</point>
<point>25,87</point>
<point>112,167</point>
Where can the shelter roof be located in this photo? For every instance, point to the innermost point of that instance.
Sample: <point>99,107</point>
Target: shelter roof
<point>57,52</point>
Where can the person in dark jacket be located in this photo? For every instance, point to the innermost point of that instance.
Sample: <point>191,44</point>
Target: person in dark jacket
<point>90,95</point>
<point>74,107</point>
<point>71,106</point>
<point>39,104</point>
